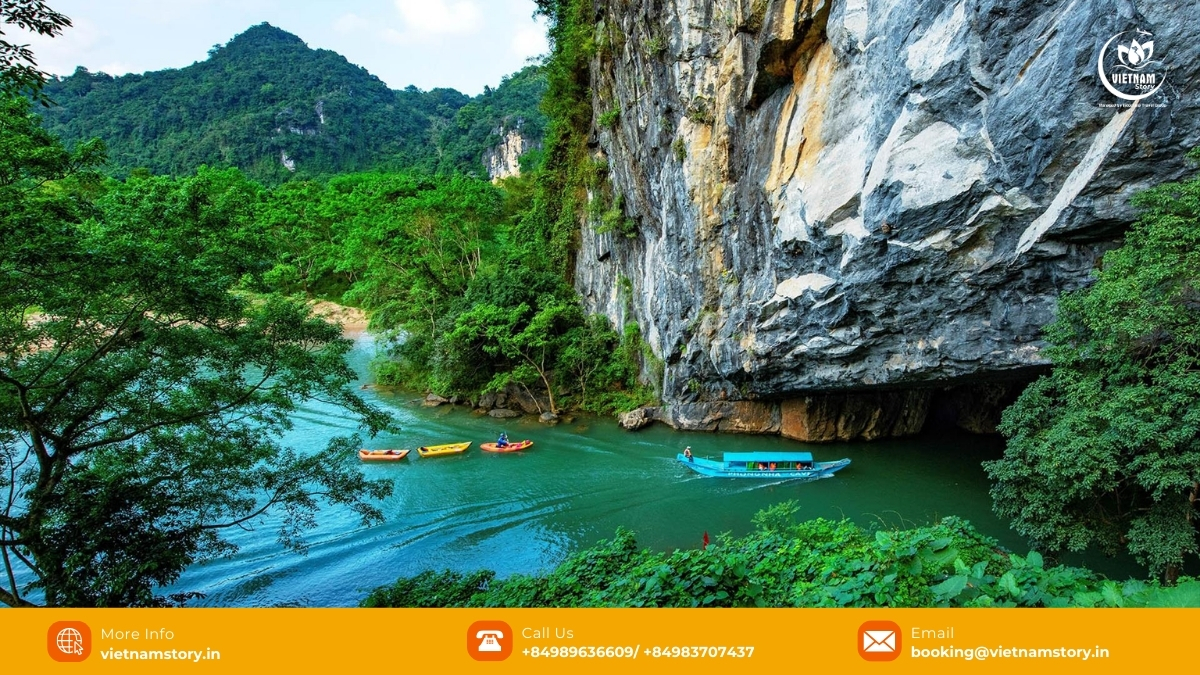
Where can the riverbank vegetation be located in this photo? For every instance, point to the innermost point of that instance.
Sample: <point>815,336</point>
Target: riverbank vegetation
<point>783,563</point>
<point>468,299</point>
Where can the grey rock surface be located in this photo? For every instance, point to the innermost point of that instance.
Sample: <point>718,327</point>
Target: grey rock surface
<point>636,419</point>
<point>502,161</point>
<point>433,401</point>
<point>861,195</point>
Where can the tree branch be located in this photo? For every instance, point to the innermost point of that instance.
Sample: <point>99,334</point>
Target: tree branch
<point>275,499</point>
<point>13,601</point>
<point>62,348</point>
<point>184,419</point>
<point>32,568</point>
<point>102,350</point>
<point>12,580</point>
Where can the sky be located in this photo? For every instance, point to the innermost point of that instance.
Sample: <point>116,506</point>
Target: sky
<point>463,44</point>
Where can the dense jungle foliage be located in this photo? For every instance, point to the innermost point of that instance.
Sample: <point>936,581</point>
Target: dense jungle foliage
<point>265,96</point>
<point>444,268</point>
<point>180,344</point>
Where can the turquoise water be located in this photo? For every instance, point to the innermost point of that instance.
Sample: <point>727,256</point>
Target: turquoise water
<point>526,511</point>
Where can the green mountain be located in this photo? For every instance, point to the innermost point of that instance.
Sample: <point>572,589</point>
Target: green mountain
<point>268,104</point>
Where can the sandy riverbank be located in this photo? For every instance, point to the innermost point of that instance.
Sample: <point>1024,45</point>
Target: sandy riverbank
<point>353,320</point>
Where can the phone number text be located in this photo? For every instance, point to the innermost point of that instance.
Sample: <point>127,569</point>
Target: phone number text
<point>627,652</point>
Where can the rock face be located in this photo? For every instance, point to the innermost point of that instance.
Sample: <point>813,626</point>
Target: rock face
<point>976,408</point>
<point>747,417</point>
<point>849,417</point>
<point>515,399</point>
<point>635,419</point>
<point>433,401</point>
<point>838,198</point>
<point>502,161</point>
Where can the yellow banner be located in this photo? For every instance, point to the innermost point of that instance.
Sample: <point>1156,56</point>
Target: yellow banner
<point>597,640</point>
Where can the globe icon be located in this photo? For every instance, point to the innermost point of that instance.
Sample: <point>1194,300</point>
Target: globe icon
<point>70,641</point>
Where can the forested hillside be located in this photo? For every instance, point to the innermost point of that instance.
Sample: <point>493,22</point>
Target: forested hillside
<point>268,104</point>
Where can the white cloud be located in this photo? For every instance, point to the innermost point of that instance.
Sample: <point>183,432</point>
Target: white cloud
<point>394,36</point>
<point>117,68</point>
<point>172,12</point>
<point>439,17</point>
<point>350,23</point>
<point>531,40</point>
<point>59,55</point>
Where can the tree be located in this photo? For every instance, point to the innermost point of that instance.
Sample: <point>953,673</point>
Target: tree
<point>18,69</point>
<point>1105,450</point>
<point>141,397</point>
<point>588,352</point>
<point>306,225</point>
<point>417,242</point>
<point>529,337</point>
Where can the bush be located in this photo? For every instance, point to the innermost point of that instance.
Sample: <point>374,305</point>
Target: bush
<point>818,563</point>
<point>609,118</point>
<point>679,148</point>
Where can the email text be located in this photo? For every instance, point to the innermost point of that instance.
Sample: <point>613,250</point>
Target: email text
<point>1001,652</point>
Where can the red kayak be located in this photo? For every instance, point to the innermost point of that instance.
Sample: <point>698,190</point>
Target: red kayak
<point>511,447</point>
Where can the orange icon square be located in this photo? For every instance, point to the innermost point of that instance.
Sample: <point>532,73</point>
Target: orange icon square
<point>879,641</point>
<point>69,641</point>
<point>489,640</point>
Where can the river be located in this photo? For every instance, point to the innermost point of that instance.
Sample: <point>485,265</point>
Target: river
<point>525,512</point>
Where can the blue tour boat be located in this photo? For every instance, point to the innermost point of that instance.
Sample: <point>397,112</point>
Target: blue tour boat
<point>776,465</point>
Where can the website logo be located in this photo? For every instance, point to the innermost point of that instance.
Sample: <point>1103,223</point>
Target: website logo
<point>69,641</point>
<point>879,641</point>
<point>1128,68</point>
<point>489,640</point>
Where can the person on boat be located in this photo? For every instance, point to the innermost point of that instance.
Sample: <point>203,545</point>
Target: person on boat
<point>687,453</point>
<point>502,442</point>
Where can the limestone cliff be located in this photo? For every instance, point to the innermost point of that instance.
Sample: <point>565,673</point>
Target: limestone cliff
<point>844,207</point>
<point>503,160</point>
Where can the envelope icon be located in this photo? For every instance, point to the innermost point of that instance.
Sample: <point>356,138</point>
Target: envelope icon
<point>879,641</point>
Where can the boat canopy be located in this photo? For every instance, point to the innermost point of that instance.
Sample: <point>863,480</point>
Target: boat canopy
<point>768,457</point>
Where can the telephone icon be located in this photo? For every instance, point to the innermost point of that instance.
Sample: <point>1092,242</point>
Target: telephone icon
<point>489,640</point>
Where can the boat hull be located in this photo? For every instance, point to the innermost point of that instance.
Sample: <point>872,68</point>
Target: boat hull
<point>448,449</point>
<point>511,447</point>
<point>707,467</point>
<point>382,455</point>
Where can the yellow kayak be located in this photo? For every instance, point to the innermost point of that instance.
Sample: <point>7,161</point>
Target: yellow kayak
<point>448,449</point>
